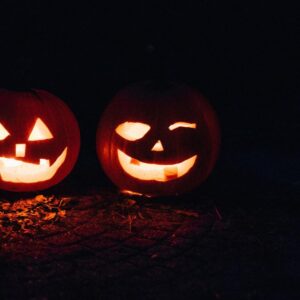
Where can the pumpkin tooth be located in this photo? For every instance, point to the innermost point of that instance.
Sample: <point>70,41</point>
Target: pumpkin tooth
<point>44,162</point>
<point>134,161</point>
<point>171,172</point>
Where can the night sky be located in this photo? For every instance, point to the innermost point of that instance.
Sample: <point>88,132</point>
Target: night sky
<point>240,54</point>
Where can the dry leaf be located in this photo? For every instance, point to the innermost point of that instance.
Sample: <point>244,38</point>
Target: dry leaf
<point>50,216</point>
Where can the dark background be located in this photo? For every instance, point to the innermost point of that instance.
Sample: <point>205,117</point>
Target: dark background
<point>240,54</point>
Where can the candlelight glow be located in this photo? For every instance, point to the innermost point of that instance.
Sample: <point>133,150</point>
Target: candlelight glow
<point>132,131</point>
<point>3,133</point>
<point>20,150</point>
<point>156,172</point>
<point>18,171</point>
<point>40,131</point>
<point>158,146</point>
<point>182,124</point>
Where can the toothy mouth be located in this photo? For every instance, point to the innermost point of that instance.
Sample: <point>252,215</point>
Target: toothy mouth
<point>156,172</point>
<point>18,171</point>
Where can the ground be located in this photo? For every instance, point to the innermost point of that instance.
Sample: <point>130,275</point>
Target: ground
<point>104,245</point>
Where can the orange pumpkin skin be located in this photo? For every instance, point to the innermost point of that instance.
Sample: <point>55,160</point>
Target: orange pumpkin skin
<point>48,137</point>
<point>181,125</point>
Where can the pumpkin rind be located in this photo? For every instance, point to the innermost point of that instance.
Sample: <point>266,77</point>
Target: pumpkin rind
<point>19,112</point>
<point>183,124</point>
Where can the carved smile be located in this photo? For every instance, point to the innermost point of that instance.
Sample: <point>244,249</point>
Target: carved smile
<point>157,172</point>
<point>18,171</point>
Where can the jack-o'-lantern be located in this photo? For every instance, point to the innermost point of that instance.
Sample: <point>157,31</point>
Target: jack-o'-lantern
<point>158,139</point>
<point>39,140</point>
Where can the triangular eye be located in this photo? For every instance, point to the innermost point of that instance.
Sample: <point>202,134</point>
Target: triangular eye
<point>3,133</point>
<point>40,131</point>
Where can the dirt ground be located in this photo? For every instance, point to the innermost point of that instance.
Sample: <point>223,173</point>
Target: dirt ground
<point>103,245</point>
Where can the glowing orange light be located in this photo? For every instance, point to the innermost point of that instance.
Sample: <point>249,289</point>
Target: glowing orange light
<point>3,133</point>
<point>182,124</point>
<point>132,131</point>
<point>157,172</point>
<point>20,150</point>
<point>18,171</point>
<point>158,146</point>
<point>40,131</point>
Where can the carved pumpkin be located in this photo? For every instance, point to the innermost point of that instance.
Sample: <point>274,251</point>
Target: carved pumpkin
<point>39,140</point>
<point>158,139</point>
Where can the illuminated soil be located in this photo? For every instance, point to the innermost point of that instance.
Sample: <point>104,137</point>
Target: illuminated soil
<point>104,246</point>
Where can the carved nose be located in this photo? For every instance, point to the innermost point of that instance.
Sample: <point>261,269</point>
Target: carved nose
<point>158,146</point>
<point>20,150</point>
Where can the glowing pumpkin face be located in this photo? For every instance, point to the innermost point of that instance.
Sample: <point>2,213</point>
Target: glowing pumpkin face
<point>39,140</point>
<point>133,131</point>
<point>158,141</point>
